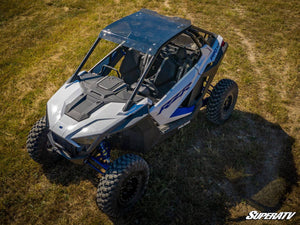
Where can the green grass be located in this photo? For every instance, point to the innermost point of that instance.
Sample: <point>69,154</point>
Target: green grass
<point>205,174</point>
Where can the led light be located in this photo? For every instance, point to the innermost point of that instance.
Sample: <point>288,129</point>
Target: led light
<point>86,140</point>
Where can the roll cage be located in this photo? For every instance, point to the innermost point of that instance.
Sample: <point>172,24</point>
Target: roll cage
<point>199,37</point>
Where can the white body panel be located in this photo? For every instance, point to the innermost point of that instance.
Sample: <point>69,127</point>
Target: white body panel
<point>98,122</point>
<point>163,110</point>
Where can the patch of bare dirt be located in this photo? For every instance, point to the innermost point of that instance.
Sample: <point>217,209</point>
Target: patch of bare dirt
<point>250,50</point>
<point>166,4</point>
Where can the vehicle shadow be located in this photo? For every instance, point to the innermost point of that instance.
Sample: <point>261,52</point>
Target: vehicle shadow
<point>65,173</point>
<point>207,174</point>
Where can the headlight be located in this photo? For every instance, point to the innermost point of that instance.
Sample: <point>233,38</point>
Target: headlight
<point>86,140</point>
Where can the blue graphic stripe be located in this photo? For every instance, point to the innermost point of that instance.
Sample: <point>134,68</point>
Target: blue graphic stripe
<point>183,110</point>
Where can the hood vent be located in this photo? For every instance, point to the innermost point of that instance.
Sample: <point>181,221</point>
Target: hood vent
<point>83,106</point>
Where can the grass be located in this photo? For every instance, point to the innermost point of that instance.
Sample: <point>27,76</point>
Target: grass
<point>205,174</point>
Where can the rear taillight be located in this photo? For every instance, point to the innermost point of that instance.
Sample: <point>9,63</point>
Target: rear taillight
<point>223,43</point>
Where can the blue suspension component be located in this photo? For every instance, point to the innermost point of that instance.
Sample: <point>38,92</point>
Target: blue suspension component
<point>101,160</point>
<point>96,160</point>
<point>104,151</point>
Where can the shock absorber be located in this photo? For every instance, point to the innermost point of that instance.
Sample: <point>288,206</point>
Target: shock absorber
<point>102,159</point>
<point>104,150</point>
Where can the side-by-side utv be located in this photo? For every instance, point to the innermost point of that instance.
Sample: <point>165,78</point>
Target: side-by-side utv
<point>151,84</point>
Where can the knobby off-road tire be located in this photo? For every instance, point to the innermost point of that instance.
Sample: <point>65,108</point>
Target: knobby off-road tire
<point>222,101</point>
<point>122,185</point>
<point>38,146</point>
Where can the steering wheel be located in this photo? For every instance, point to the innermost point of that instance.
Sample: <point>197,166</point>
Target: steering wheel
<point>151,86</point>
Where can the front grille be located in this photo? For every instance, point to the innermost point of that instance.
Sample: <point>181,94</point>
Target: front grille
<point>71,149</point>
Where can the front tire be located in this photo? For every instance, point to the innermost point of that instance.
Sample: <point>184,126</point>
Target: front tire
<point>222,101</point>
<point>38,146</point>
<point>122,185</point>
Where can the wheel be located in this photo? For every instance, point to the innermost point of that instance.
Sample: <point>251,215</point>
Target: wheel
<point>38,146</point>
<point>122,185</point>
<point>222,101</point>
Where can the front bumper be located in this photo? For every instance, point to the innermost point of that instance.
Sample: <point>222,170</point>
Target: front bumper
<point>66,149</point>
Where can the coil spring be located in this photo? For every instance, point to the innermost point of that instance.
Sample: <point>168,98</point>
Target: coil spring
<point>104,151</point>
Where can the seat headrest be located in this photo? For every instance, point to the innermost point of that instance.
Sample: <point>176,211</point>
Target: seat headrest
<point>181,53</point>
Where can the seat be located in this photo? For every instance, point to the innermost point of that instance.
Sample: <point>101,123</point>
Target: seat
<point>181,55</point>
<point>165,73</point>
<point>130,67</point>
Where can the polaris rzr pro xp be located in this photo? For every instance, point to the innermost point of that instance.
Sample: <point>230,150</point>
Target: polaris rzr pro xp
<point>151,84</point>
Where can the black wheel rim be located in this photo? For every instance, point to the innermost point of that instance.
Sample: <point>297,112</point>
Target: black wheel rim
<point>227,103</point>
<point>130,188</point>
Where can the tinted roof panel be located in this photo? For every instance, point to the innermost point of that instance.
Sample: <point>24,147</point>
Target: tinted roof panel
<point>144,30</point>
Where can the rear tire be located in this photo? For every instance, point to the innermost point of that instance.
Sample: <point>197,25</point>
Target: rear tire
<point>123,185</point>
<point>38,146</point>
<point>222,101</point>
